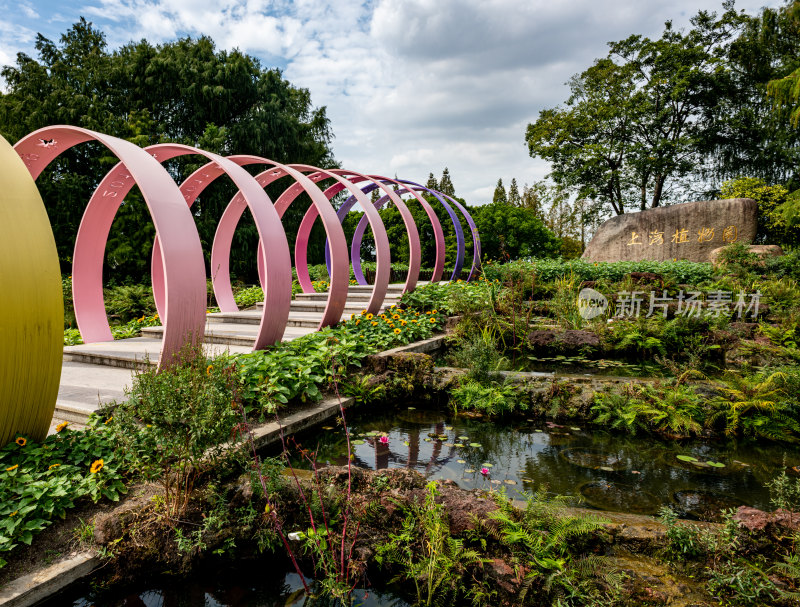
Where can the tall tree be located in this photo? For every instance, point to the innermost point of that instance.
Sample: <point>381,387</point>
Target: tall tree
<point>432,183</point>
<point>500,193</point>
<point>514,197</point>
<point>633,120</point>
<point>445,184</point>
<point>184,91</point>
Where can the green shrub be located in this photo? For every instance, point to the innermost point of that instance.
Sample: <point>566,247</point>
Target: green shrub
<point>128,302</point>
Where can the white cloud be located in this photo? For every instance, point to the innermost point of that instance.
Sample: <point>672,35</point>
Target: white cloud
<point>411,86</point>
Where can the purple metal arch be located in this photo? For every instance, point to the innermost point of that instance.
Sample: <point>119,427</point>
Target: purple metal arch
<point>355,246</point>
<point>383,257</point>
<point>415,249</point>
<point>276,281</point>
<point>220,254</point>
<point>476,237</point>
<point>182,254</point>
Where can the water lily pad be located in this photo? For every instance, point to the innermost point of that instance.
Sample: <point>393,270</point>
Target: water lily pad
<point>487,465</point>
<point>411,408</point>
<point>461,461</point>
<point>427,440</point>
<point>358,441</point>
<point>576,429</point>
<point>686,458</point>
<point>405,442</point>
<point>469,471</point>
<point>476,445</point>
<point>448,428</point>
<point>373,433</point>
<point>606,468</point>
<point>327,427</point>
<point>509,481</point>
<point>458,444</point>
<point>495,482</point>
<point>463,437</point>
<point>715,464</point>
<point>538,430</point>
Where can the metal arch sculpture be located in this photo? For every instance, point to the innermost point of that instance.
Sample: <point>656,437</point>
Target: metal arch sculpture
<point>340,274</point>
<point>415,249</point>
<point>476,242</point>
<point>32,309</point>
<point>88,287</point>
<point>181,252</point>
<point>382,250</point>
<point>355,246</point>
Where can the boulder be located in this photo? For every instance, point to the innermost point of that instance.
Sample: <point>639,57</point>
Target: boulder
<point>682,231</point>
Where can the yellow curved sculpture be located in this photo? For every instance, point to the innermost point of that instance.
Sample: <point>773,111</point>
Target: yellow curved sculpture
<point>31,305</point>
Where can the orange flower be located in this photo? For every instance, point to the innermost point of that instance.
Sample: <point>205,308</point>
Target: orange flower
<point>61,426</point>
<point>97,465</point>
<point>21,441</point>
<point>53,466</point>
<point>374,323</point>
<point>397,331</point>
<point>209,369</point>
<point>14,513</point>
<point>11,468</point>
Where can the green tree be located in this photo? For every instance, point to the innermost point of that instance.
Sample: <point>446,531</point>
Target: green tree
<point>633,120</point>
<point>786,90</point>
<point>514,197</point>
<point>184,91</point>
<point>432,183</point>
<point>445,184</point>
<point>513,232</point>
<point>500,196</point>
<point>773,227</point>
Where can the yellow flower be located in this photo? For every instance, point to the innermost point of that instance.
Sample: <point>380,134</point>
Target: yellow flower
<point>397,331</point>
<point>361,336</point>
<point>392,307</point>
<point>435,312</point>
<point>358,322</point>
<point>414,320</point>
<point>53,466</point>
<point>97,465</point>
<point>61,426</point>
<point>352,316</point>
<point>369,316</point>
<point>404,323</point>
<point>209,368</point>
<point>374,323</point>
<point>14,513</point>
<point>395,316</point>
<point>363,312</point>
<point>11,468</point>
<point>433,320</point>
<point>267,509</point>
<point>417,314</point>
<point>383,316</point>
<point>109,419</point>
<point>21,441</point>
<point>391,324</point>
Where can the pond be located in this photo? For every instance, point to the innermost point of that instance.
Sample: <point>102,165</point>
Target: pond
<point>240,586</point>
<point>606,471</point>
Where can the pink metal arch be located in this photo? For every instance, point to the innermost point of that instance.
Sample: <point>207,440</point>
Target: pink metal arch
<point>340,272</point>
<point>382,252</point>
<point>415,250</point>
<point>182,254</point>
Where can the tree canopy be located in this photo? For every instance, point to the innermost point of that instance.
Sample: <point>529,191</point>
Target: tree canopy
<point>184,91</point>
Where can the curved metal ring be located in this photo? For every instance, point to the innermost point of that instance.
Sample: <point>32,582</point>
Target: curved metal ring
<point>182,254</point>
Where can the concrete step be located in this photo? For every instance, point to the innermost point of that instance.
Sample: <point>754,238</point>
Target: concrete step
<point>351,298</point>
<point>233,334</point>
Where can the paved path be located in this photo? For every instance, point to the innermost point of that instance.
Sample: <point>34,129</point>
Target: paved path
<point>98,373</point>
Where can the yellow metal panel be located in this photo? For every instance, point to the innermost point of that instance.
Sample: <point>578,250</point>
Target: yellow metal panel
<point>31,305</point>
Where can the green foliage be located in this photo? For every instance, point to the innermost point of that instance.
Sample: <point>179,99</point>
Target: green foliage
<point>298,370</point>
<point>478,354</point>
<point>132,328</point>
<point>492,398</point>
<point>773,227</point>
<point>542,538</point>
<point>128,302</point>
<point>41,481</point>
<point>177,422</point>
<point>428,555</point>
<point>183,91</point>
<point>509,232</point>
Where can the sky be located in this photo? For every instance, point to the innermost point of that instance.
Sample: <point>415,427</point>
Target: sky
<point>410,86</point>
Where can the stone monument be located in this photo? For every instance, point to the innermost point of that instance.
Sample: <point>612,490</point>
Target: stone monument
<point>688,231</point>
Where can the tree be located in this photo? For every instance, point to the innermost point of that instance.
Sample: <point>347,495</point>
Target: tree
<point>432,183</point>
<point>499,193</point>
<point>773,227</point>
<point>634,119</point>
<point>786,90</point>
<point>513,193</point>
<point>184,91</point>
<point>513,233</point>
<point>445,184</point>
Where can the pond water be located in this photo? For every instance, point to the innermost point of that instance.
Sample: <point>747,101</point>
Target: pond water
<point>228,587</point>
<point>607,472</point>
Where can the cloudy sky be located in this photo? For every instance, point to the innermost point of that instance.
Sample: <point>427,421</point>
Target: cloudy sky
<point>411,86</point>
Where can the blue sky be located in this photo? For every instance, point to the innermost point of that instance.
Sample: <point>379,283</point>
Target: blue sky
<point>411,86</point>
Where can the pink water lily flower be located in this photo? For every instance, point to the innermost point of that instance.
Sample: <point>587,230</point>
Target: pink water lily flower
<point>485,471</point>
<point>384,440</point>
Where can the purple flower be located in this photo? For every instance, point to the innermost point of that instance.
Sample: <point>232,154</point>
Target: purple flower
<point>485,471</point>
<point>384,440</point>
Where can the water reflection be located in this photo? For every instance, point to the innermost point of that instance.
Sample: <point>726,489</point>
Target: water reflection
<point>638,474</point>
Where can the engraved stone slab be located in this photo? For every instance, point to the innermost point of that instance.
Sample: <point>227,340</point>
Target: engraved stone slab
<point>683,231</point>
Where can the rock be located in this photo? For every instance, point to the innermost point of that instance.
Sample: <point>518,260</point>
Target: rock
<point>569,341</point>
<point>647,278</point>
<point>762,250</point>
<point>682,231</point>
<point>754,519</point>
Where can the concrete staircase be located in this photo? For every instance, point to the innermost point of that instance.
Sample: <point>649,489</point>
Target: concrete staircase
<point>98,373</point>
